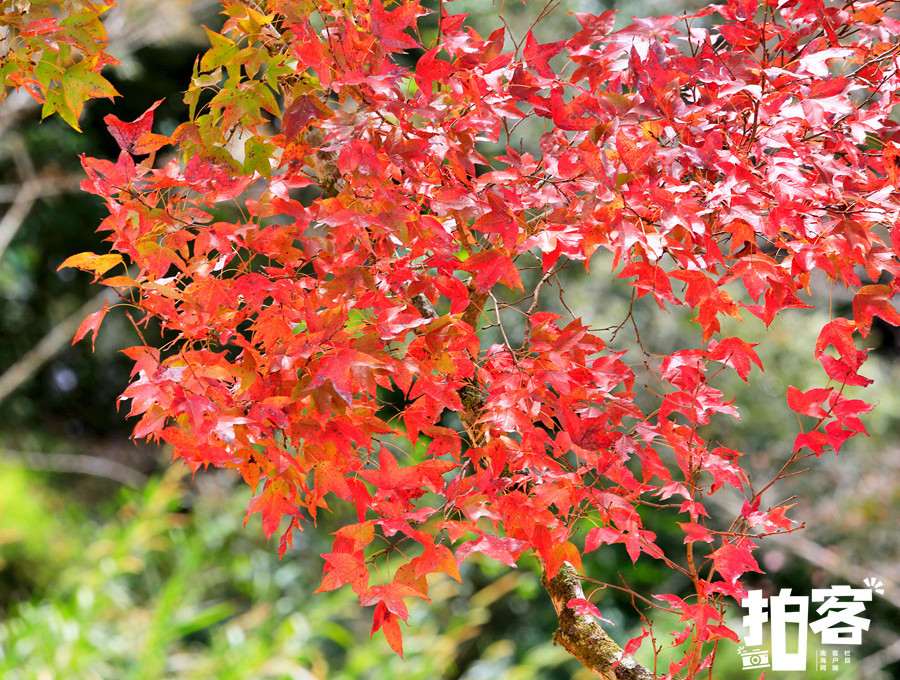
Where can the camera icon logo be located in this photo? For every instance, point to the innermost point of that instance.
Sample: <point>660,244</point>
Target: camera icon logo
<point>754,658</point>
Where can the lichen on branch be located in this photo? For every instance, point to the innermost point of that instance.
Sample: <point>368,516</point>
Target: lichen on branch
<point>583,637</point>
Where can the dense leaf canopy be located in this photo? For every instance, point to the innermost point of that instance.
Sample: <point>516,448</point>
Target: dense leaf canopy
<point>325,236</point>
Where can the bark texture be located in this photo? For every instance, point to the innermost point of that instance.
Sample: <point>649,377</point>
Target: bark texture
<point>583,637</point>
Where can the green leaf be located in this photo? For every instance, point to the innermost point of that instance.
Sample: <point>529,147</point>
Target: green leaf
<point>48,68</point>
<point>55,102</point>
<point>266,98</point>
<point>87,29</point>
<point>222,51</point>
<point>80,83</point>
<point>257,155</point>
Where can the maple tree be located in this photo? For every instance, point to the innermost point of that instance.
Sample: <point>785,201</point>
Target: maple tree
<point>326,343</point>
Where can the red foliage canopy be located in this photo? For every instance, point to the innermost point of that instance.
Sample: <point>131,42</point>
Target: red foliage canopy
<point>720,166</point>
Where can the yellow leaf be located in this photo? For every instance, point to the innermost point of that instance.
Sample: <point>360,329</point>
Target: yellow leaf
<point>99,264</point>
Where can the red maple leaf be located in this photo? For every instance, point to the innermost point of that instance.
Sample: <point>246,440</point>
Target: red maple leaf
<point>503,549</point>
<point>808,403</point>
<point>135,137</point>
<point>732,560</point>
<point>387,623</point>
<point>91,324</point>
<point>736,353</point>
<point>871,301</point>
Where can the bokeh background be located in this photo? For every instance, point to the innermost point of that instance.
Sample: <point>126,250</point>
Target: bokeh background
<point>116,564</point>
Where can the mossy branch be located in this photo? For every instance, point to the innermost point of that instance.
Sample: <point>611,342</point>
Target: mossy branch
<point>582,636</point>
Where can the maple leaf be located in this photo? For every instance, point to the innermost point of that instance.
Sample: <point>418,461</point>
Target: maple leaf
<point>846,369</point>
<point>635,157</point>
<point>91,324</point>
<point>491,267</point>
<point>387,623</point>
<point>584,608</point>
<point>703,294</point>
<point>273,502</point>
<point>435,558</point>
<point>695,532</point>
<point>735,353</point>
<point>846,411</point>
<point>301,112</point>
<point>600,535</point>
<point>348,371</point>
<point>503,549</point>
<point>838,334</point>
<point>808,403</point>
<point>345,567</point>
<point>135,137</point>
<point>771,520</point>
<point>538,55</point>
<point>391,596</point>
<point>732,560</point>
<point>312,333</point>
<point>651,279</point>
<point>722,464</point>
<point>571,115</point>
<point>99,264</point>
<point>890,156</point>
<point>554,553</point>
<point>79,82</point>
<point>815,441</point>
<point>388,26</point>
<point>391,476</point>
<point>634,643</point>
<point>871,301</point>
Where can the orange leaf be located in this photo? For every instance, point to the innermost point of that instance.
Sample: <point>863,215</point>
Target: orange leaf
<point>91,262</point>
<point>389,625</point>
<point>119,282</point>
<point>436,558</point>
<point>890,156</point>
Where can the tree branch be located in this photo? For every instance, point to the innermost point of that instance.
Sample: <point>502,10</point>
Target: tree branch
<point>582,636</point>
<point>473,311</point>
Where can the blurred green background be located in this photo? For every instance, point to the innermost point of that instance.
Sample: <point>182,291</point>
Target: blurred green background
<point>115,565</point>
